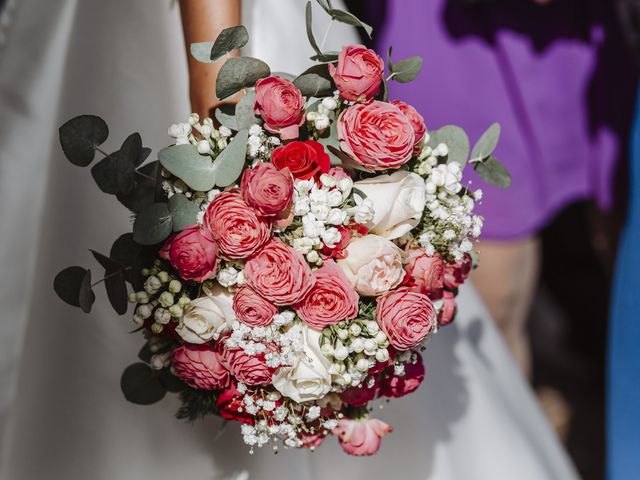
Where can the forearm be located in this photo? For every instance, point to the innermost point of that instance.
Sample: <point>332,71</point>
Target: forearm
<point>202,21</point>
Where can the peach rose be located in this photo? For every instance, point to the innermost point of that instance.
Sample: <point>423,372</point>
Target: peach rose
<point>193,253</point>
<point>200,368</point>
<point>248,369</point>
<point>235,226</point>
<point>376,135</point>
<point>427,272</point>
<point>373,265</point>
<point>252,309</point>
<point>406,317</point>
<point>361,437</point>
<point>331,300</point>
<point>417,121</point>
<point>280,104</point>
<point>267,189</point>
<point>279,273</point>
<point>358,74</point>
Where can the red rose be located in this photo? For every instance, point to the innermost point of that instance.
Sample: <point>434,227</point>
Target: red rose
<point>193,253</point>
<point>304,160</point>
<point>200,368</point>
<point>267,189</point>
<point>331,300</point>
<point>455,274</point>
<point>230,406</point>
<point>279,273</point>
<point>358,74</point>
<point>394,386</point>
<point>448,310</point>
<point>360,395</point>
<point>426,272</point>
<point>235,226</point>
<point>406,317</point>
<point>280,104</point>
<point>417,121</point>
<point>377,135</point>
<point>252,309</point>
<point>249,369</point>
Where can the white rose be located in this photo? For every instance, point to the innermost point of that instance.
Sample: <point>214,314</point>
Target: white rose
<point>373,265</point>
<point>206,318</point>
<point>398,202</point>
<point>308,378</point>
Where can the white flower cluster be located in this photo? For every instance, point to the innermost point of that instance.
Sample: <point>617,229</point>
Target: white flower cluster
<point>320,119</point>
<point>449,222</point>
<point>354,348</point>
<point>260,145</point>
<point>408,357</point>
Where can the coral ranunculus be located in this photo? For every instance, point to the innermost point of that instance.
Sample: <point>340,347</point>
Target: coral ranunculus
<point>249,369</point>
<point>358,74</point>
<point>406,317</point>
<point>280,104</point>
<point>361,437</point>
<point>427,272</point>
<point>200,367</point>
<point>417,122</point>
<point>193,253</point>
<point>251,308</point>
<point>304,160</point>
<point>235,226</point>
<point>267,189</point>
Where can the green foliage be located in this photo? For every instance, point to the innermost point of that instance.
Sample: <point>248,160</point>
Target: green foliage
<point>493,172</point>
<point>456,139</point>
<point>320,56</point>
<point>406,70</point>
<point>315,81</point>
<point>186,163</point>
<point>153,224</point>
<point>244,111</point>
<point>228,166</point>
<point>80,136</point>
<point>196,404</point>
<point>73,286</point>
<point>486,144</point>
<point>230,39</point>
<point>329,138</point>
<point>114,282</point>
<point>141,385</point>
<point>350,19</point>
<point>146,190</point>
<point>115,174</point>
<point>183,212</point>
<point>225,114</point>
<point>238,73</point>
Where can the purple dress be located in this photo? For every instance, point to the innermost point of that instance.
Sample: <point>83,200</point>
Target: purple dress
<point>556,79</point>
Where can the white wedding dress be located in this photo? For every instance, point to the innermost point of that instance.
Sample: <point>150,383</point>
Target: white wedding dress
<point>62,414</point>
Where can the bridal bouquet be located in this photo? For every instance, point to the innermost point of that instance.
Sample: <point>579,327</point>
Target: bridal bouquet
<point>290,258</point>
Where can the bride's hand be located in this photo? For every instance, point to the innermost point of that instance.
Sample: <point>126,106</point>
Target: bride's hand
<point>202,21</point>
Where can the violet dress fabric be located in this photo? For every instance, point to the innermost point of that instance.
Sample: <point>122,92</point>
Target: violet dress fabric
<point>556,78</point>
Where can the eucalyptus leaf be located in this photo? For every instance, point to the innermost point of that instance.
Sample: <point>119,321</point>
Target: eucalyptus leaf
<point>493,172</point>
<point>315,81</point>
<point>225,114</point>
<point>170,381</point>
<point>184,212</point>
<point>73,286</point>
<point>116,287</point>
<point>132,150</point>
<point>406,70</point>
<point>325,4</point>
<point>141,385</point>
<point>456,140</point>
<point>326,57</point>
<point>106,262</point>
<point>186,163</point>
<point>114,174</point>
<point>330,139</point>
<point>245,114</point>
<point>230,39</point>
<point>285,75</point>
<point>238,73</point>
<point>350,19</point>
<point>486,144</point>
<point>125,250</point>
<point>230,162</point>
<point>145,353</point>
<point>343,157</point>
<point>309,23</point>
<point>80,136</point>
<point>147,187</point>
<point>152,225</point>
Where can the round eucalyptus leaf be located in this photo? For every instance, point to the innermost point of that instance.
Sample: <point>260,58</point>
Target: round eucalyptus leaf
<point>186,163</point>
<point>116,286</point>
<point>493,172</point>
<point>486,143</point>
<point>315,81</point>
<point>145,353</point>
<point>245,114</point>
<point>106,262</point>
<point>73,284</point>
<point>330,139</point>
<point>230,39</point>
<point>141,385</point>
<point>238,73</point>
<point>230,163</point>
<point>406,70</point>
<point>350,19</point>
<point>170,381</point>
<point>184,212</point>
<point>80,136</point>
<point>152,225</point>
<point>132,151</point>
<point>125,250</point>
<point>225,114</point>
<point>114,174</point>
<point>86,297</point>
<point>456,140</point>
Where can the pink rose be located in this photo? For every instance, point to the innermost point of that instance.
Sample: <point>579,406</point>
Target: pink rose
<point>448,310</point>
<point>455,274</point>
<point>331,300</point>
<point>417,122</point>
<point>395,386</point>
<point>235,226</point>
<point>267,189</point>
<point>279,273</point>
<point>427,272</point>
<point>193,253</point>
<point>361,395</point>
<point>338,173</point>
<point>252,309</point>
<point>376,135</point>
<point>200,368</point>
<point>229,404</point>
<point>406,317</point>
<point>280,104</point>
<point>248,369</point>
<point>358,74</point>
<point>361,437</point>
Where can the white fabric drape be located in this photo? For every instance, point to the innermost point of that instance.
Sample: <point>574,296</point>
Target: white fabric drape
<point>474,418</point>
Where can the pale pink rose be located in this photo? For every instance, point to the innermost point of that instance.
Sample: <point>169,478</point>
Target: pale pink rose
<point>338,173</point>
<point>268,189</point>
<point>200,367</point>
<point>427,272</point>
<point>362,394</point>
<point>280,104</point>
<point>331,300</point>
<point>361,437</point>
<point>406,317</point>
<point>312,440</point>
<point>237,228</point>
<point>395,386</point>
<point>456,273</point>
<point>358,74</point>
<point>417,121</point>
<point>376,135</point>
<point>373,265</point>
<point>193,253</point>
<point>248,369</point>
<point>448,310</point>
<point>279,273</point>
<point>252,309</point>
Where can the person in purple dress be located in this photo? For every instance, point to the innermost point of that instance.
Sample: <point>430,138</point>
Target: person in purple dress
<point>554,74</point>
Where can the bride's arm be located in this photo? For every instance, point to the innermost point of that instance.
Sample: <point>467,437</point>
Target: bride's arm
<point>202,21</point>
